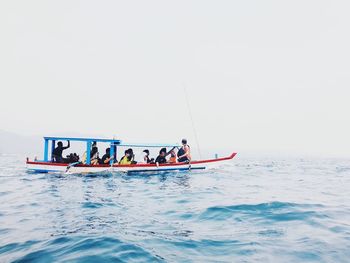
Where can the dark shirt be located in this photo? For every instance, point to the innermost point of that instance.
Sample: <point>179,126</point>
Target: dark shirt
<point>183,159</point>
<point>57,152</point>
<point>149,160</point>
<point>182,152</point>
<point>105,157</point>
<point>160,159</point>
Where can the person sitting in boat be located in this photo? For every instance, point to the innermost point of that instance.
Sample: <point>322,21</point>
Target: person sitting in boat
<point>172,158</point>
<point>94,144</point>
<point>132,155</point>
<point>161,157</point>
<point>72,158</point>
<point>94,158</point>
<point>106,158</point>
<point>57,152</point>
<point>144,158</point>
<point>127,158</point>
<point>184,153</point>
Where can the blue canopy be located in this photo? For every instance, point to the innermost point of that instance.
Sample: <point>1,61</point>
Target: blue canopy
<point>82,139</point>
<point>89,141</point>
<point>145,145</point>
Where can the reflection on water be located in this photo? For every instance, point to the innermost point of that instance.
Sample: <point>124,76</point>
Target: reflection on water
<point>248,210</point>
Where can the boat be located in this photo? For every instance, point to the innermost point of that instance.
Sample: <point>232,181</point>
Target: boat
<point>47,165</point>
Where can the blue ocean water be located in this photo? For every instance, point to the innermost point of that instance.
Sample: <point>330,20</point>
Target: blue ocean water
<point>248,210</point>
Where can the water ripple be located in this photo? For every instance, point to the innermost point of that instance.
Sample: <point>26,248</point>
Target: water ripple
<point>83,249</point>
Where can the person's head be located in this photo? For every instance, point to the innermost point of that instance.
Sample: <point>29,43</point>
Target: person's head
<point>108,150</point>
<point>94,143</point>
<point>172,153</point>
<point>131,152</point>
<point>94,149</point>
<point>162,152</point>
<point>184,141</point>
<point>126,153</point>
<point>60,144</point>
<point>146,152</point>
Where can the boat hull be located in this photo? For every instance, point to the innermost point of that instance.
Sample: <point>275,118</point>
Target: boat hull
<point>47,167</point>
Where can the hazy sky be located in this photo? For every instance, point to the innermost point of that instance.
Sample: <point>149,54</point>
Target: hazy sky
<point>262,76</point>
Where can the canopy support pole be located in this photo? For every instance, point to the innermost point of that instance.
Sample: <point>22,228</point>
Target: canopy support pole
<point>46,150</point>
<point>88,149</point>
<point>111,153</point>
<point>53,144</point>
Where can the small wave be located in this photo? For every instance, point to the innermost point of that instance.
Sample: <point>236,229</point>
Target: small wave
<point>276,211</point>
<point>82,249</point>
<point>222,250</point>
<point>5,193</point>
<point>12,247</point>
<point>92,205</point>
<point>342,169</point>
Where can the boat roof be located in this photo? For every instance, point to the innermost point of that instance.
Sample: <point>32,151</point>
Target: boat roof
<point>82,139</point>
<point>145,145</point>
<point>118,142</point>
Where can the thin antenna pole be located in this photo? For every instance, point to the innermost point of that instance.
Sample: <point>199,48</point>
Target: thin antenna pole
<point>192,122</point>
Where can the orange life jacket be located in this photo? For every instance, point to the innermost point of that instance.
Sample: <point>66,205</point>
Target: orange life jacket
<point>172,159</point>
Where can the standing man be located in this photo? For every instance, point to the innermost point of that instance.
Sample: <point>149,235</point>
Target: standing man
<point>57,152</point>
<point>184,154</point>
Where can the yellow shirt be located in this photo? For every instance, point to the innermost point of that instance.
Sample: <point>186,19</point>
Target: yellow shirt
<point>124,161</point>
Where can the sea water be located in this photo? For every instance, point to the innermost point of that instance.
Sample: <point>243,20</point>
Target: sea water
<point>248,210</point>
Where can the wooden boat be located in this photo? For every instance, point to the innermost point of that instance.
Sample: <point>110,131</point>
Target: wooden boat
<point>47,165</point>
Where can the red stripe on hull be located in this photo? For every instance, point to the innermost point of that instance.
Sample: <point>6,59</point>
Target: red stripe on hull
<point>137,165</point>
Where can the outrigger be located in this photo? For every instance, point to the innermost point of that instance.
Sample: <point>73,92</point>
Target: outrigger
<point>48,165</point>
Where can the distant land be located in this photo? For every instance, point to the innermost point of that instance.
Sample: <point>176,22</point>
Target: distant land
<point>31,145</point>
<point>14,143</point>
